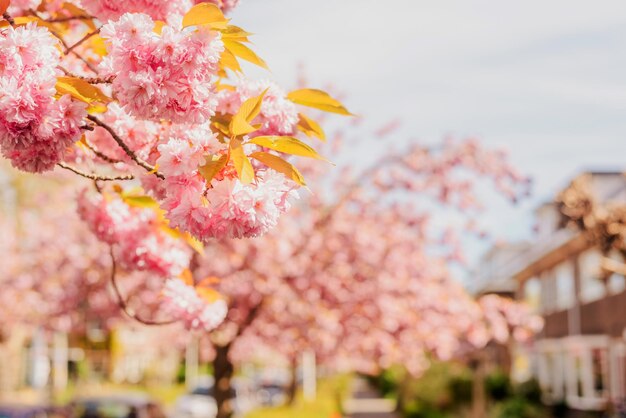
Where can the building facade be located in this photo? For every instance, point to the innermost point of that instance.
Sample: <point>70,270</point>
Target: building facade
<point>580,356</point>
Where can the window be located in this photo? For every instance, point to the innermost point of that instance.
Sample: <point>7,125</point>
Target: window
<point>532,293</point>
<point>591,287</point>
<point>565,290</point>
<point>548,292</point>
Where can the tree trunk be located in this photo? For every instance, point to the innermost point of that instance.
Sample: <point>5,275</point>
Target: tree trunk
<point>223,390</point>
<point>479,401</point>
<point>293,384</point>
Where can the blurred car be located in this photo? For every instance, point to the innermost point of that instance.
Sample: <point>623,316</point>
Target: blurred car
<point>271,394</point>
<point>23,411</point>
<point>199,402</point>
<point>121,406</point>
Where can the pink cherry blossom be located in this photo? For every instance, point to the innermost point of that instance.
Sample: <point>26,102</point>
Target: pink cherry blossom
<point>35,129</point>
<point>278,115</point>
<point>162,76</point>
<point>182,301</point>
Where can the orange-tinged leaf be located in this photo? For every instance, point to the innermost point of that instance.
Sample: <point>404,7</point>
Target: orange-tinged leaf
<point>287,145</point>
<point>4,5</point>
<point>208,294</point>
<point>213,165</point>
<point>158,26</point>
<point>187,277</point>
<point>242,163</point>
<point>204,14</point>
<point>77,11</point>
<point>317,99</point>
<point>194,243</point>
<point>280,165</point>
<point>81,90</point>
<point>240,123</point>
<point>242,51</point>
<point>209,281</point>
<point>310,127</point>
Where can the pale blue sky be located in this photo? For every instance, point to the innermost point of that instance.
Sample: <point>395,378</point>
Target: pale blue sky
<point>545,79</point>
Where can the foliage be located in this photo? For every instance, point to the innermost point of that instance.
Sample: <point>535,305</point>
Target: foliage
<point>324,405</point>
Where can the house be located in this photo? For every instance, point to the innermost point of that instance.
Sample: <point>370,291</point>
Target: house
<point>580,356</point>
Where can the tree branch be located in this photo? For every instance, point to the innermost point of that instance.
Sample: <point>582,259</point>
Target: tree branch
<point>125,147</point>
<point>8,18</point>
<point>95,176</point>
<point>81,40</point>
<point>69,18</point>
<point>122,302</point>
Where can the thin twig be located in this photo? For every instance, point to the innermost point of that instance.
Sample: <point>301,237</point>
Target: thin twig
<point>87,128</point>
<point>65,45</point>
<point>94,80</point>
<point>95,176</point>
<point>125,147</point>
<point>100,154</point>
<point>122,302</point>
<point>81,40</point>
<point>69,18</point>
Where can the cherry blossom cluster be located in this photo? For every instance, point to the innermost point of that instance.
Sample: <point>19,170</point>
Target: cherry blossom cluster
<point>35,129</point>
<point>139,243</point>
<point>170,75</point>
<point>182,301</point>
<point>278,115</point>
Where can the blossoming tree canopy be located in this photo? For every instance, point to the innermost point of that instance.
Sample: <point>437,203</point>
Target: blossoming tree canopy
<point>147,95</point>
<point>148,100</point>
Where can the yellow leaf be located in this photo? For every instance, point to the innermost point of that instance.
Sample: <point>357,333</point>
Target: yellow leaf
<point>310,128</point>
<point>213,165</point>
<point>204,14</point>
<point>242,163</point>
<point>319,100</point>
<point>243,52</point>
<point>288,145</point>
<point>279,165</point>
<point>97,45</point>
<point>228,60</point>
<point>81,90</point>
<point>158,26</point>
<point>77,11</point>
<point>187,277</point>
<point>4,5</point>
<point>240,123</point>
<point>194,243</point>
<point>208,294</point>
<point>139,201</point>
<point>235,33</point>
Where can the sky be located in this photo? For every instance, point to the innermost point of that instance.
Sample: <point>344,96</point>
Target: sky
<point>545,80</point>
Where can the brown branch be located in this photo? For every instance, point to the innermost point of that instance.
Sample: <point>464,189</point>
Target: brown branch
<point>69,18</point>
<point>122,302</point>
<point>8,18</point>
<point>81,40</point>
<point>92,176</point>
<point>100,154</point>
<point>252,315</point>
<point>148,167</point>
<point>66,46</point>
